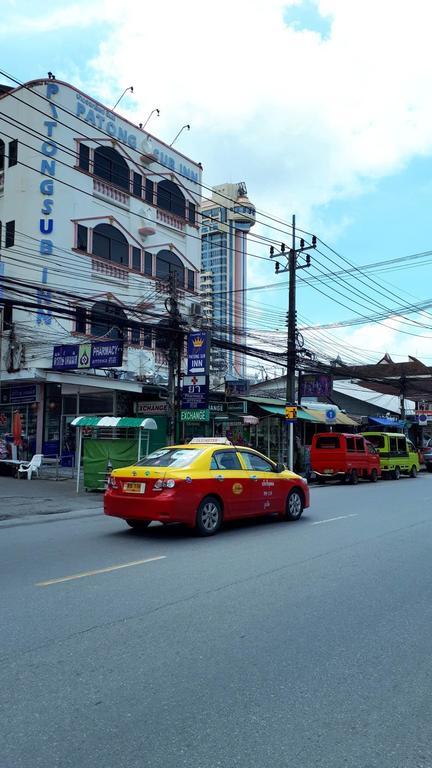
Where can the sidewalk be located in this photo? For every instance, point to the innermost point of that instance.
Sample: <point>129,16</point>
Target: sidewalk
<point>24,498</point>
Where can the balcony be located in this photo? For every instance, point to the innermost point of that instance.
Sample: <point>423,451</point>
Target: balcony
<point>107,191</point>
<point>110,270</point>
<point>170,220</point>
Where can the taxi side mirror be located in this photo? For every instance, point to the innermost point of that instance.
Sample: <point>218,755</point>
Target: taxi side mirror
<point>280,468</point>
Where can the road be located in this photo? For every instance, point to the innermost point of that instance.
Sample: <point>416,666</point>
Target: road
<point>271,644</point>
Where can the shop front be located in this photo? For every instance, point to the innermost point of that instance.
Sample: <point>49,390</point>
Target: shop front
<point>19,403</point>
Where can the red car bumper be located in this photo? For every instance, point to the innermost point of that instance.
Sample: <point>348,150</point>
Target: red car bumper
<point>164,506</point>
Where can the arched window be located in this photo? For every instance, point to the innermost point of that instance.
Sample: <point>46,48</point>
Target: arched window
<point>110,244</point>
<point>166,263</point>
<point>107,319</point>
<point>111,166</point>
<point>171,198</point>
<point>2,155</point>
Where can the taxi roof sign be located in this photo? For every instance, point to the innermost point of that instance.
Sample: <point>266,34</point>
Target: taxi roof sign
<point>210,441</point>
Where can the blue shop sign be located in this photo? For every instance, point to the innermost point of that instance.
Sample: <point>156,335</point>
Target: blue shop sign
<point>197,355</point>
<point>101,354</point>
<point>194,392</point>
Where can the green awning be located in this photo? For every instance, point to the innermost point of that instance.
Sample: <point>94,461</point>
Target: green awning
<point>279,410</point>
<point>122,422</point>
<point>275,410</point>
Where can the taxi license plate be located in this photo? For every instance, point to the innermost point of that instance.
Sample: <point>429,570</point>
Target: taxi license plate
<point>328,471</point>
<point>134,487</point>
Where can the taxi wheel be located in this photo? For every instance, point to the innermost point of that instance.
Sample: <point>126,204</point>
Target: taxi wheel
<point>396,473</point>
<point>373,475</point>
<point>294,505</point>
<point>209,517</point>
<point>138,525</point>
<point>413,472</point>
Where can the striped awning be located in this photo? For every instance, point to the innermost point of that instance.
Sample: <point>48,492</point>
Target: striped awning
<point>125,422</point>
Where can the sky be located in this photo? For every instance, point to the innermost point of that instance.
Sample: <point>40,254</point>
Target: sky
<point>321,106</point>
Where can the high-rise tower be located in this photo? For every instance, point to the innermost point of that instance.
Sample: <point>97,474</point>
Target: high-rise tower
<point>226,221</point>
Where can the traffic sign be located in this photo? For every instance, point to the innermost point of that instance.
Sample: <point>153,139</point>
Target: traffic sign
<point>331,415</point>
<point>290,413</point>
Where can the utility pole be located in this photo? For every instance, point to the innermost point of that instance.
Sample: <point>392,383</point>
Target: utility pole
<point>291,267</point>
<point>175,340</point>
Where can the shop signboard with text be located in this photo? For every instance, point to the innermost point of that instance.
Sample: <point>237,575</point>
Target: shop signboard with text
<point>194,392</point>
<point>100,354</point>
<point>197,353</point>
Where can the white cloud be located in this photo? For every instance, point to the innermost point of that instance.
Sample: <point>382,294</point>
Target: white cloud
<point>303,120</point>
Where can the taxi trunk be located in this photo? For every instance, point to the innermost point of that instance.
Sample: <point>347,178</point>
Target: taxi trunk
<point>147,493</point>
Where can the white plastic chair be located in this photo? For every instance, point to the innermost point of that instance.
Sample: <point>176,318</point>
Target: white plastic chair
<point>28,467</point>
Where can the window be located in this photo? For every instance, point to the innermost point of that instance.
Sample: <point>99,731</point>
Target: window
<point>332,441</point>
<point>148,263</point>
<point>80,320</point>
<point>191,213</point>
<point>149,187</point>
<point>225,460</point>
<point>393,445</point>
<point>167,263</point>
<point>10,234</point>
<point>82,238</point>
<point>84,157</point>
<point>107,319</point>
<point>110,165</point>
<point>137,184</point>
<point>110,244</point>
<point>256,463</point>
<point>401,444</point>
<point>170,457</point>
<point>350,443</point>
<point>371,449</point>
<point>191,279</point>
<point>377,440</point>
<point>359,443</point>
<point>135,335</point>
<point>136,259</point>
<point>147,338</point>
<point>2,154</point>
<point>13,152</point>
<point>171,198</point>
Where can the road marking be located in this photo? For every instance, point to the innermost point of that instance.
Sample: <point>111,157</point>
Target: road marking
<point>331,519</point>
<point>99,570</point>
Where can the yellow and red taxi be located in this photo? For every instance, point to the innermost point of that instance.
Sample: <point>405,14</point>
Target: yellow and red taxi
<point>203,483</point>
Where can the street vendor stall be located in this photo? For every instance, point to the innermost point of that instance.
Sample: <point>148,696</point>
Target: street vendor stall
<point>108,442</point>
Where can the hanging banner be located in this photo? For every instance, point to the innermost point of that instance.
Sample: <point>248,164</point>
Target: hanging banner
<point>197,353</point>
<point>315,385</point>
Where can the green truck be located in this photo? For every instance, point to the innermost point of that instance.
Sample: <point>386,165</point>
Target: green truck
<point>398,455</point>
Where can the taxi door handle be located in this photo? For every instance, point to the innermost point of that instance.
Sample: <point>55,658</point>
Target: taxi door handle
<point>219,477</point>
<point>253,477</point>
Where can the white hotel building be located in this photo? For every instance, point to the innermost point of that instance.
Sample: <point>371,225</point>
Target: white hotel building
<point>96,208</point>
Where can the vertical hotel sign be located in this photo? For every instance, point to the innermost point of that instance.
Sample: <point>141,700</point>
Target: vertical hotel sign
<point>197,353</point>
<point>46,188</point>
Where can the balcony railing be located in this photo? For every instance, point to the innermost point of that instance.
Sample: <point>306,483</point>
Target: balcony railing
<point>175,222</point>
<point>109,192</point>
<point>107,269</point>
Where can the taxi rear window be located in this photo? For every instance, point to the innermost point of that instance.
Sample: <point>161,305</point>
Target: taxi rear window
<point>170,457</point>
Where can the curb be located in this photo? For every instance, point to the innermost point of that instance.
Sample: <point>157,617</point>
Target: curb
<point>42,518</point>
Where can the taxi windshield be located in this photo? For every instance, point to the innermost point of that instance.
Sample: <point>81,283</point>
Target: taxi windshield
<point>170,457</point>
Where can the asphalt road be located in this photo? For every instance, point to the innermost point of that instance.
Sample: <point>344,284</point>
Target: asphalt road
<point>304,645</point>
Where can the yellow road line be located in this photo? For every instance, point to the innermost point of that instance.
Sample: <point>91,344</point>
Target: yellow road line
<point>99,570</point>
